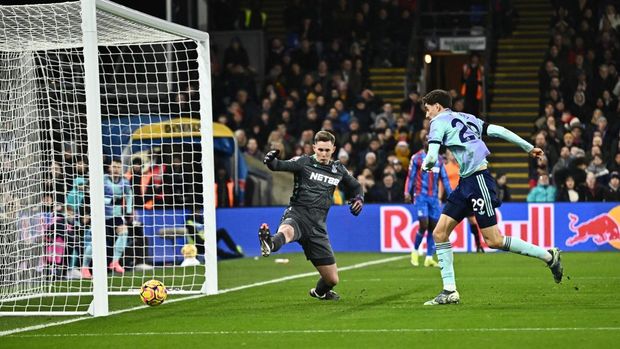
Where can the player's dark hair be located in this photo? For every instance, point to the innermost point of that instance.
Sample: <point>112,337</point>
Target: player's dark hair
<point>438,96</point>
<point>324,136</point>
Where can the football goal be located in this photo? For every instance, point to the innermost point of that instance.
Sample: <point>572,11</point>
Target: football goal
<point>106,157</point>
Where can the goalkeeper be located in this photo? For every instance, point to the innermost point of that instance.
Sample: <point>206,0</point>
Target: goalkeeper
<point>316,178</point>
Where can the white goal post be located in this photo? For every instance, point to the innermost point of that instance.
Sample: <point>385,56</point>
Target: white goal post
<point>106,157</point>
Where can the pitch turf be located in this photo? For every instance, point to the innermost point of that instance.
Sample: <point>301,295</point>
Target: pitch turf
<point>506,301</point>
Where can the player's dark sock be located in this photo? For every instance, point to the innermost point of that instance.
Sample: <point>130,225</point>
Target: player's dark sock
<point>278,241</point>
<point>322,287</point>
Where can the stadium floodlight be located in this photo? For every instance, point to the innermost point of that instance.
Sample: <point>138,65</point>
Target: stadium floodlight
<point>81,82</point>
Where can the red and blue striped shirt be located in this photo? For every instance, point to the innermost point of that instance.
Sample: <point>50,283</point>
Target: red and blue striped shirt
<point>420,182</point>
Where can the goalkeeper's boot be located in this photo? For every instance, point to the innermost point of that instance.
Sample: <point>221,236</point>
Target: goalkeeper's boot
<point>86,273</point>
<point>555,264</point>
<point>266,243</point>
<point>414,258</point>
<point>328,296</point>
<point>115,266</point>
<point>445,297</point>
<point>430,262</point>
<point>479,249</point>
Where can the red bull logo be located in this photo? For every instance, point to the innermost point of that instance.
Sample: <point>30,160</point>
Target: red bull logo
<point>399,228</point>
<point>602,229</point>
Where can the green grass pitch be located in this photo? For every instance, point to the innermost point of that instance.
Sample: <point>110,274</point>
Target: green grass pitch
<point>506,301</point>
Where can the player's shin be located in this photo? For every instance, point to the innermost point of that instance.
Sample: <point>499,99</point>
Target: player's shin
<point>430,246</point>
<point>278,241</point>
<point>516,245</point>
<point>119,246</point>
<point>445,256</point>
<point>418,239</point>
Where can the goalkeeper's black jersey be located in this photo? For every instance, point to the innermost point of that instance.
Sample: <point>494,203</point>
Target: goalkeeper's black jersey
<point>315,183</point>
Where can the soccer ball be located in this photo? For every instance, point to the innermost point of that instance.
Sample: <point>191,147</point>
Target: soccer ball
<point>153,292</point>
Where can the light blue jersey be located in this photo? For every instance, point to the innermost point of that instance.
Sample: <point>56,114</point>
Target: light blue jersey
<point>462,134</point>
<point>118,197</point>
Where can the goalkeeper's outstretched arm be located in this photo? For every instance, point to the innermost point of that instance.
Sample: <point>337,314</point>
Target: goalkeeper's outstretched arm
<point>272,162</point>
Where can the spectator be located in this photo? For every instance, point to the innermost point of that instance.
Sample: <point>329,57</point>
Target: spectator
<point>612,17</point>
<point>253,17</point>
<point>614,166</point>
<point>577,169</point>
<point>503,191</point>
<point>561,166</point>
<point>597,167</point>
<point>235,55</point>
<point>387,115</point>
<point>569,193</point>
<point>612,192</point>
<point>400,171</point>
<point>380,39</point>
<point>411,109</point>
<point>543,192</point>
<point>593,192</point>
<point>471,84</point>
<point>580,107</point>
<point>387,192</point>
<point>366,180</point>
<point>253,150</point>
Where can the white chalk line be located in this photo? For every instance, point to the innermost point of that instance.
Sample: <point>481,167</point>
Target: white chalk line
<point>320,331</point>
<point>233,289</point>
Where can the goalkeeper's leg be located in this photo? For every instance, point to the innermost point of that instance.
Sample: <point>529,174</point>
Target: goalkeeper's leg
<point>269,244</point>
<point>329,279</point>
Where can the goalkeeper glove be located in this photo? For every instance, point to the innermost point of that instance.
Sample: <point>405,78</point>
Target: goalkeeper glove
<point>355,205</point>
<point>270,156</point>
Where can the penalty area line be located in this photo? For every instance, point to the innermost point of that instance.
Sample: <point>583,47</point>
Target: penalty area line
<point>326,331</point>
<point>227,290</point>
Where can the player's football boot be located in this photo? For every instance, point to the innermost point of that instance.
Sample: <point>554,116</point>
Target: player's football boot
<point>329,296</point>
<point>115,266</point>
<point>430,262</point>
<point>414,258</point>
<point>264,236</point>
<point>445,297</point>
<point>479,249</point>
<point>555,264</point>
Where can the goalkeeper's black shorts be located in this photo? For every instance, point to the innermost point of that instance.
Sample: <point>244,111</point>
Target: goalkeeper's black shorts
<point>311,233</point>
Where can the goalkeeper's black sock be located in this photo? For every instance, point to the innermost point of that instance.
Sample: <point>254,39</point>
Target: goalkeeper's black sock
<point>278,241</point>
<point>322,287</point>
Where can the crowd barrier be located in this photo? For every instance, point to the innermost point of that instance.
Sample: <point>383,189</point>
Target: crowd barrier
<point>392,228</point>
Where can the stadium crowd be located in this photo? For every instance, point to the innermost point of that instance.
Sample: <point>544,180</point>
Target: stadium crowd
<point>579,126</point>
<point>318,79</point>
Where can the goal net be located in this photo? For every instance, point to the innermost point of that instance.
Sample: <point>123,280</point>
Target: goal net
<point>143,211</point>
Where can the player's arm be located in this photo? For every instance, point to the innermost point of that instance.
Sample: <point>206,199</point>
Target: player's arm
<point>271,160</point>
<point>435,137</point>
<point>354,188</point>
<point>505,134</point>
<point>409,182</point>
<point>431,156</point>
<point>128,193</point>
